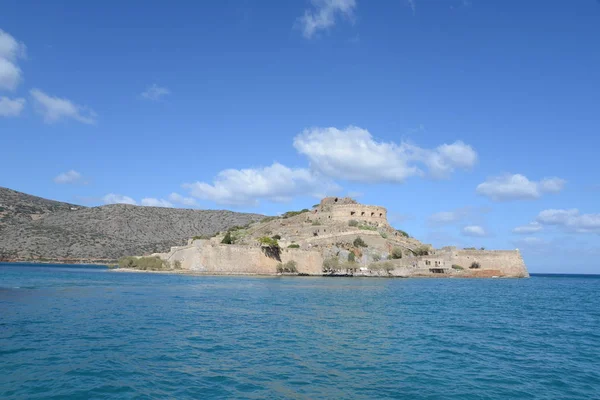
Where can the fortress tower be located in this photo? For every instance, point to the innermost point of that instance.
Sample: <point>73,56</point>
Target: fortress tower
<point>344,209</point>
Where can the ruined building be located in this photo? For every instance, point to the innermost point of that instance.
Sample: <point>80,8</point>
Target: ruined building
<point>338,236</point>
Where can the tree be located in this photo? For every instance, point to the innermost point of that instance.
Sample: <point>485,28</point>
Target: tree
<point>227,239</point>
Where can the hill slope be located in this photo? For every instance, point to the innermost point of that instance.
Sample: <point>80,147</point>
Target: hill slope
<point>35,228</point>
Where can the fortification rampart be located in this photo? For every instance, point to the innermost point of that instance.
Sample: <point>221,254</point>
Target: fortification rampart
<point>205,257</point>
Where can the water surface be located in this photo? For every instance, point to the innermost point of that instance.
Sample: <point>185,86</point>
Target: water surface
<point>79,333</point>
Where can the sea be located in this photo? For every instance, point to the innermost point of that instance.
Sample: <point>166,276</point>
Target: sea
<point>83,332</point>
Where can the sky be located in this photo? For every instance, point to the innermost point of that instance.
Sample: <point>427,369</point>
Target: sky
<point>475,123</point>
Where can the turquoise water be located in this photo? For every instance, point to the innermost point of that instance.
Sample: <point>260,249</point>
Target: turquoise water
<point>78,333</point>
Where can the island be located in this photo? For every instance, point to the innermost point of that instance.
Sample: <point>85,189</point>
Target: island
<point>337,237</point>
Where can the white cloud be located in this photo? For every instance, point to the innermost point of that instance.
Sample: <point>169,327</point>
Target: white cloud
<point>246,186</point>
<point>71,177</point>
<point>152,202</point>
<point>113,198</point>
<point>155,92</point>
<point>412,5</point>
<point>518,187</point>
<point>474,230</point>
<point>179,199</point>
<point>324,14</point>
<point>10,51</point>
<point>352,154</point>
<point>54,109</point>
<point>532,227</point>
<point>11,108</point>
<point>571,220</point>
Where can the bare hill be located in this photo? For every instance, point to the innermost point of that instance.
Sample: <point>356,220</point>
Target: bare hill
<point>36,228</point>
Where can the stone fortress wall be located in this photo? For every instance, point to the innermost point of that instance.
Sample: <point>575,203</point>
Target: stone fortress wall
<point>203,256</point>
<point>323,233</point>
<point>334,209</point>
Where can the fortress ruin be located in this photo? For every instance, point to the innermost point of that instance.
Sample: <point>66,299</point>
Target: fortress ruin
<point>338,236</point>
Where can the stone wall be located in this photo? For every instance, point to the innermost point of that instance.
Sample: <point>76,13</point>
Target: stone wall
<point>206,257</point>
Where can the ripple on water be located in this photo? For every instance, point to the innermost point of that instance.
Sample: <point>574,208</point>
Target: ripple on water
<point>89,335</point>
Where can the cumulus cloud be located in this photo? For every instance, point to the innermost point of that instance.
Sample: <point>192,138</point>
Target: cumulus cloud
<point>152,202</point>
<point>11,107</point>
<point>246,186</point>
<point>571,220</point>
<point>113,198</point>
<point>69,177</point>
<point>353,154</point>
<point>10,51</point>
<point>54,109</point>
<point>324,14</point>
<point>474,230</point>
<point>518,187</point>
<point>179,199</point>
<point>155,92</point>
<point>532,227</point>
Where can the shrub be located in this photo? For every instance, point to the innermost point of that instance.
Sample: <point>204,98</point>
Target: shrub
<point>401,232</point>
<point>353,222</point>
<point>290,266</point>
<point>383,235</point>
<point>315,223</point>
<point>421,251</point>
<point>143,263</point>
<point>177,264</point>
<point>469,248</point>
<point>457,267</point>
<point>396,253</point>
<point>475,265</point>
<point>376,257</point>
<point>351,257</point>
<point>331,264</point>
<point>201,237</point>
<point>290,214</point>
<point>386,266</point>
<point>227,239</point>
<point>268,242</point>
<point>358,242</point>
<point>367,227</point>
<point>267,219</point>
<point>276,237</point>
<point>294,246</point>
<point>315,205</point>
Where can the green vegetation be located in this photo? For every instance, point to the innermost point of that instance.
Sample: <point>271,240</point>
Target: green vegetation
<point>268,242</point>
<point>268,219</point>
<point>358,242</point>
<point>367,227</point>
<point>331,264</point>
<point>294,246</point>
<point>401,232</point>
<point>457,267</point>
<point>227,239</point>
<point>276,237</point>
<point>469,248</point>
<point>289,267</point>
<point>351,257</point>
<point>376,257</point>
<point>386,266</point>
<point>475,265</point>
<point>315,205</point>
<point>383,235</point>
<point>176,264</point>
<point>396,253</point>
<point>201,237</point>
<point>315,223</point>
<point>290,214</point>
<point>145,263</point>
<point>421,251</point>
<point>353,222</point>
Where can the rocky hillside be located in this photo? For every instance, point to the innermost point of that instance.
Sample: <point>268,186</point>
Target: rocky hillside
<point>35,228</point>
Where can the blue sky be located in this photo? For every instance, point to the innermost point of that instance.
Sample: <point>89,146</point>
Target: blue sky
<point>476,123</point>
